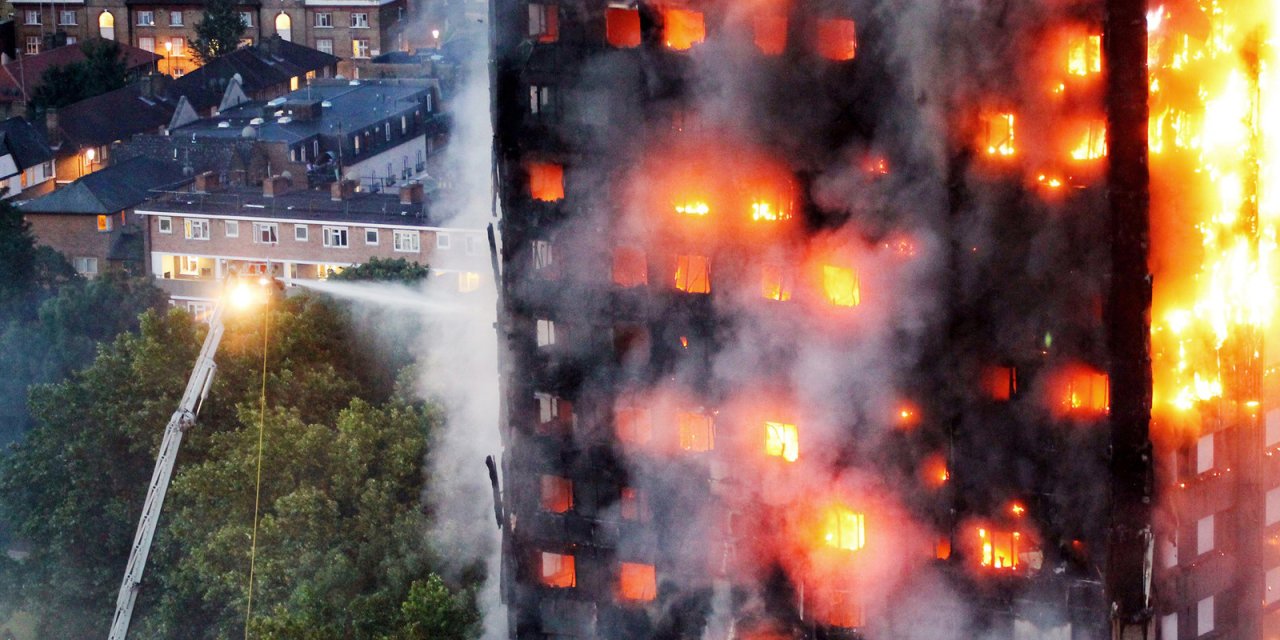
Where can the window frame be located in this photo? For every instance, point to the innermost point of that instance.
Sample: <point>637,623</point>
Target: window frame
<point>246,17</point>
<point>324,45</point>
<point>231,228</point>
<point>273,228</point>
<point>181,19</point>
<point>360,48</point>
<point>33,17</point>
<point>359,19</point>
<point>195,229</point>
<point>400,236</point>
<point>146,19</point>
<point>164,224</point>
<point>63,14</point>
<point>331,235</point>
<point>327,20</point>
<point>374,234</point>
<point>301,233</point>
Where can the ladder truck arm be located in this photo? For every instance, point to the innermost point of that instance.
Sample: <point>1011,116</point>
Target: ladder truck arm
<point>181,420</point>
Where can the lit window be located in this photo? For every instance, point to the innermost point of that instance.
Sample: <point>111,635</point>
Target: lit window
<point>231,228</point>
<point>558,571</point>
<point>623,27</point>
<point>633,425</point>
<point>189,265</point>
<point>775,283</point>
<point>544,22</point>
<point>998,134</point>
<point>164,224</point>
<point>557,494</point>
<point>683,28</point>
<point>360,48</point>
<point>546,330</point>
<point>468,281</point>
<point>637,582</point>
<point>844,528</point>
<point>196,228</point>
<point>178,47</point>
<point>147,43</point>
<point>1000,383</point>
<point>840,286</point>
<point>335,237</point>
<point>1092,143</point>
<point>406,241</point>
<point>104,223</point>
<point>770,33</point>
<point>546,181</point>
<point>693,274</point>
<point>781,440</point>
<point>1085,56</point>
<point>265,232</point>
<point>999,548</point>
<point>630,269</point>
<point>1087,391</point>
<point>107,25</point>
<point>837,39</point>
<point>697,432</point>
<point>33,45</point>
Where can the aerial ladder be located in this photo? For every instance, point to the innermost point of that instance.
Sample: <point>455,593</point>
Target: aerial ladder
<point>183,418</point>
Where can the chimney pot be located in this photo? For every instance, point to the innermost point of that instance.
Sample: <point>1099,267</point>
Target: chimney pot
<point>274,186</point>
<point>206,182</point>
<point>411,193</point>
<point>341,190</point>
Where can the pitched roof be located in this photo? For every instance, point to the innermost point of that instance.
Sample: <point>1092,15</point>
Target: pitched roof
<point>19,78</point>
<point>115,115</point>
<point>262,66</point>
<point>24,142</point>
<point>116,188</point>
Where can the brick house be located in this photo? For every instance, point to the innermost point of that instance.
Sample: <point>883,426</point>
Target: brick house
<point>197,237</point>
<point>26,161</point>
<point>346,28</point>
<point>20,78</point>
<point>91,221</point>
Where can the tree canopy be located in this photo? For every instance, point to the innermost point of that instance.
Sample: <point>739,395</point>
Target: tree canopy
<point>342,550</point>
<point>103,69</point>
<point>386,270</point>
<point>219,31</point>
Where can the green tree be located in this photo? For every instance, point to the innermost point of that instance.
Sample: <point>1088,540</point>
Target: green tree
<point>386,270</point>
<point>17,259</point>
<point>219,31</point>
<point>103,69</point>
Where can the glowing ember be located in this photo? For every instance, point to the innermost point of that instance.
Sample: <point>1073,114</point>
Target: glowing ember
<point>762,210</point>
<point>998,134</point>
<point>999,549</point>
<point>693,209</point>
<point>782,440</point>
<point>840,286</point>
<point>844,529</point>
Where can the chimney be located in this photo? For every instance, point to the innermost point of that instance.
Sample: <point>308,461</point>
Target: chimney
<point>342,190</point>
<point>52,130</point>
<point>411,193</point>
<point>206,182</point>
<point>275,186</point>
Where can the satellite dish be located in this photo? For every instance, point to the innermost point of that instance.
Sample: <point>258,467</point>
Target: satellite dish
<point>249,133</point>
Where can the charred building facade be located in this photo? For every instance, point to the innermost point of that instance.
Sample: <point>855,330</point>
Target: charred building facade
<point>807,309</point>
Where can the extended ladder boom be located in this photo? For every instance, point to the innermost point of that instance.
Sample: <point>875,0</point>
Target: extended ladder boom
<point>182,419</point>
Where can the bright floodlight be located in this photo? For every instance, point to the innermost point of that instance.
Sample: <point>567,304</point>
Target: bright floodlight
<point>241,296</point>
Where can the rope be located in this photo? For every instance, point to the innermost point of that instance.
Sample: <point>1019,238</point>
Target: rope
<point>257,492</point>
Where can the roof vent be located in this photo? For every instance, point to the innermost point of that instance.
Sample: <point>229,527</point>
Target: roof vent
<point>354,83</point>
<point>224,125</point>
<point>284,120</point>
<point>276,102</point>
<point>256,121</point>
<point>326,104</point>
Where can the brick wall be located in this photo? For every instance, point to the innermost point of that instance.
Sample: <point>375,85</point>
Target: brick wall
<point>77,235</point>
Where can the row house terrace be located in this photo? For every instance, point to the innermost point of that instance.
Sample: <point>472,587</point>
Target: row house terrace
<point>199,236</point>
<point>347,28</point>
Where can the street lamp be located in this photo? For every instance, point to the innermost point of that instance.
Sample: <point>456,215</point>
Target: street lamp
<point>168,52</point>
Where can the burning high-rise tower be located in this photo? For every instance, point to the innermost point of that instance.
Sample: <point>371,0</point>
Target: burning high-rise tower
<point>816,324</point>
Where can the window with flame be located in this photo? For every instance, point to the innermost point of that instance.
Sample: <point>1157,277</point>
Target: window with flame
<point>1000,383</point>
<point>697,431</point>
<point>840,286</point>
<point>557,494</point>
<point>622,26</point>
<point>633,424</point>
<point>555,414</point>
<point>632,505</point>
<point>637,582</point>
<point>1085,55</point>
<point>1086,391</point>
<point>998,134</point>
<point>844,528</point>
<point>837,39</point>
<point>630,268</point>
<point>544,22</point>
<point>557,570</point>
<point>682,28</point>
<point>770,31</point>
<point>546,181</point>
<point>781,440</point>
<point>776,282</point>
<point>693,274</point>
<point>999,549</point>
<point>1092,144</point>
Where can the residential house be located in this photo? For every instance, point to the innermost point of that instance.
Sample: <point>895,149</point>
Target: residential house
<point>377,132</point>
<point>20,78</point>
<point>91,221</point>
<point>263,71</point>
<point>26,161</point>
<point>198,237</point>
<point>347,28</point>
<point>81,134</point>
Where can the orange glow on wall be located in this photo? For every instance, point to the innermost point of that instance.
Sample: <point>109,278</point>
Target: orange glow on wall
<point>558,571</point>
<point>1000,383</point>
<point>697,432</point>
<point>630,268</point>
<point>637,582</point>
<point>934,472</point>
<point>770,33</point>
<point>557,494</point>
<point>999,549</point>
<point>622,26</point>
<point>840,286</point>
<point>844,528</point>
<point>1084,56</point>
<point>633,425</point>
<point>837,39</point>
<point>682,28</point>
<point>775,283</point>
<point>997,135</point>
<point>546,181</point>
<point>693,274</point>
<point>842,609</point>
<point>782,440</point>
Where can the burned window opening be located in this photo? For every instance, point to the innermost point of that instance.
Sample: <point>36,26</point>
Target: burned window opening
<point>546,181</point>
<point>840,286</point>
<point>557,570</point>
<point>632,424</point>
<point>544,22</point>
<point>630,267</point>
<point>697,432</point>
<point>637,582</point>
<point>693,274</point>
<point>837,39</point>
<point>557,494</point>
<point>555,414</point>
<point>622,26</point>
<point>682,28</point>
